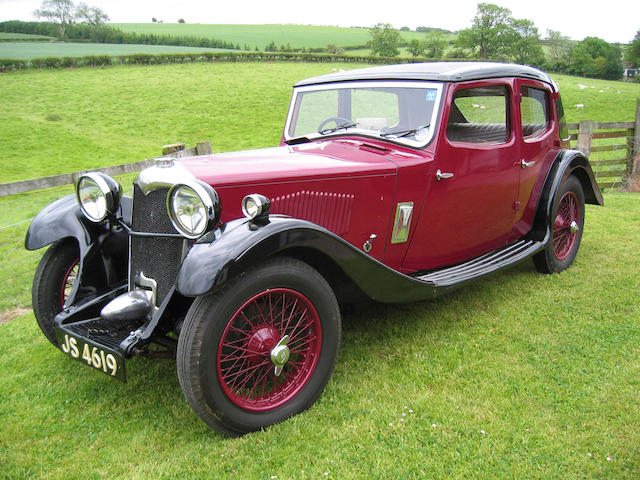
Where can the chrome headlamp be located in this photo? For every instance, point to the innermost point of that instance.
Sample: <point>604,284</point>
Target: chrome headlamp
<point>255,206</point>
<point>98,195</point>
<point>193,207</point>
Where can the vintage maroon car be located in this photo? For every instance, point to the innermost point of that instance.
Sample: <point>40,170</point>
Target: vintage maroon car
<point>395,183</point>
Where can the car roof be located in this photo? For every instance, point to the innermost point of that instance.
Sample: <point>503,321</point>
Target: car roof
<point>435,71</point>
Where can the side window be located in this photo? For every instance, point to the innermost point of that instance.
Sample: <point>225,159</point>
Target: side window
<point>480,115</point>
<point>534,111</point>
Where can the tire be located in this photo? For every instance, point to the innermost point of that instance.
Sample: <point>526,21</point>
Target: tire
<point>226,347</point>
<point>53,280</point>
<point>567,223</point>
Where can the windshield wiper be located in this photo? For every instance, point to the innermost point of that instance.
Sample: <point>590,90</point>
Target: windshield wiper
<point>343,126</point>
<point>405,133</point>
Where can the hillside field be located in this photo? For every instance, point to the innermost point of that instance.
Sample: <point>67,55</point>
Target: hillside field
<point>59,121</point>
<point>298,36</point>
<point>29,50</point>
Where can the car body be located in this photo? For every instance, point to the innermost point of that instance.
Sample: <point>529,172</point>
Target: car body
<point>395,183</point>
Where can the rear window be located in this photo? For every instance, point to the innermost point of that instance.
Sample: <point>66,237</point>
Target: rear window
<point>534,111</point>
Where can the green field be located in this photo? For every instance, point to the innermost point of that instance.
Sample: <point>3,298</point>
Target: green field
<point>60,121</point>
<point>298,36</point>
<point>29,50</point>
<point>7,36</point>
<point>518,376</point>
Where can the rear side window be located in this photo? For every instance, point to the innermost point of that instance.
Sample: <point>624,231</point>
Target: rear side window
<point>534,111</point>
<point>480,115</point>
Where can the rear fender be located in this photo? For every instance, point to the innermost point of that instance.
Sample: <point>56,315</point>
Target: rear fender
<point>568,162</point>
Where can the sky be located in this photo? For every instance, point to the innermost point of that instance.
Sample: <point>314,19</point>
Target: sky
<point>611,20</point>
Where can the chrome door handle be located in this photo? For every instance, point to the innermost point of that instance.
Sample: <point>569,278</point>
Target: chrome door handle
<point>525,164</point>
<point>440,175</point>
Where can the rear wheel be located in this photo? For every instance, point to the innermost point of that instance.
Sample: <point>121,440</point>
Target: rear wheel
<point>54,279</point>
<point>567,222</point>
<point>260,350</point>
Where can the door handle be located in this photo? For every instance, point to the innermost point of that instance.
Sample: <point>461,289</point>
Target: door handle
<point>525,164</point>
<point>440,175</point>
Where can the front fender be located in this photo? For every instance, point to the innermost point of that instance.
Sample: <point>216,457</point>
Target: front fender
<point>232,249</point>
<point>103,252</point>
<point>59,220</point>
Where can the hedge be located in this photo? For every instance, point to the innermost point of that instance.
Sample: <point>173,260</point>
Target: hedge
<point>8,64</point>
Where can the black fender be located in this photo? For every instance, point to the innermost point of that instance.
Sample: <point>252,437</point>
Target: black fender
<point>236,246</point>
<point>567,162</point>
<point>103,251</point>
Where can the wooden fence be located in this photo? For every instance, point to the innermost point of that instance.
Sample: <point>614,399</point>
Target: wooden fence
<point>612,147</point>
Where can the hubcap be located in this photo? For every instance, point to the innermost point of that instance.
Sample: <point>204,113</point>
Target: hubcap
<point>280,354</point>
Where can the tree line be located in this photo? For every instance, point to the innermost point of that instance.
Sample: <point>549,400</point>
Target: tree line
<point>496,35</point>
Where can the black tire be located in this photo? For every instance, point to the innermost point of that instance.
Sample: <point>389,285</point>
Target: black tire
<point>57,267</point>
<point>239,325</point>
<point>562,248</point>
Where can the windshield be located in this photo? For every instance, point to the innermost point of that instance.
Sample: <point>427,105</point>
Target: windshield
<point>405,112</point>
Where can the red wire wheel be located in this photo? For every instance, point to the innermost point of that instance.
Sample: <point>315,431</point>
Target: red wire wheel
<point>262,348</point>
<point>565,227</point>
<point>53,281</point>
<point>566,222</point>
<point>68,280</point>
<point>245,369</point>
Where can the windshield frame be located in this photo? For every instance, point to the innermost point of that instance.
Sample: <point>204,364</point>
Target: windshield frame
<point>298,92</point>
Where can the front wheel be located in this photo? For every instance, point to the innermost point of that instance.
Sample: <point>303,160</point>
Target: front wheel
<point>261,349</point>
<point>53,281</point>
<point>567,222</point>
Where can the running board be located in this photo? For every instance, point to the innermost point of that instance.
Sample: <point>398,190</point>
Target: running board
<point>504,257</point>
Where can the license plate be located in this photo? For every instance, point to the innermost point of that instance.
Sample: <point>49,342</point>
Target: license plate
<point>99,357</point>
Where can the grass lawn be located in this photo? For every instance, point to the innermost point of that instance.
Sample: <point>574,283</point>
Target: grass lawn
<point>517,376</point>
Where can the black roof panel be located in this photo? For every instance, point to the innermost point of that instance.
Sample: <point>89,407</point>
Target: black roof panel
<point>436,71</point>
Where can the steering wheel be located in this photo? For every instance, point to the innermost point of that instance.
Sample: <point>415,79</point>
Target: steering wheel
<point>339,121</point>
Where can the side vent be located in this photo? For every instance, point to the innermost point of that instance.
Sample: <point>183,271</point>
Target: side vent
<point>330,210</point>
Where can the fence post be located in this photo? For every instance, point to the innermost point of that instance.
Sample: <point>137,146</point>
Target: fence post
<point>585,131</point>
<point>634,168</point>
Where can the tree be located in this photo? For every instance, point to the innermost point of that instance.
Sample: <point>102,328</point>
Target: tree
<point>594,57</point>
<point>61,12</point>
<point>181,20</point>
<point>384,40</point>
<point>435,44</point>
<point>154,19</point>
<point>487,33</point>
<point>632,53</point>
<point>558,52</point>
<point>523,43</point>
<point>416,48</point>
<point>91,15</point>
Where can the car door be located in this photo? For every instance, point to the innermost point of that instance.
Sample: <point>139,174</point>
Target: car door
<point>536,137</point>
<point>469,205</point>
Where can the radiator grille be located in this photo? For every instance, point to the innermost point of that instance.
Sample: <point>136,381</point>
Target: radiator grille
<point>158,257</point>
